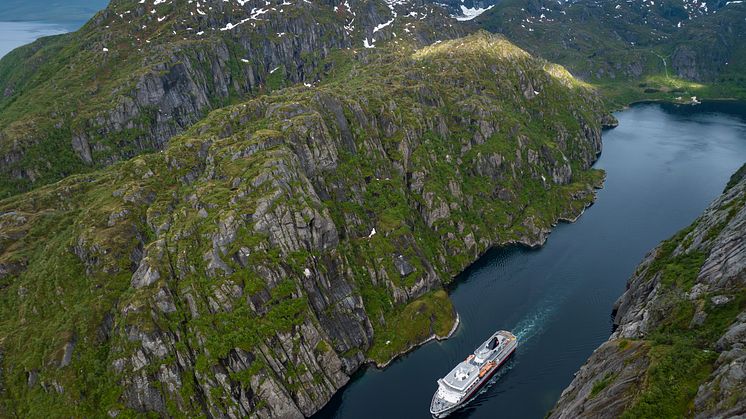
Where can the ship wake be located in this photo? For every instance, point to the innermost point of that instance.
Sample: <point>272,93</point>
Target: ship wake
<point>534,323</point>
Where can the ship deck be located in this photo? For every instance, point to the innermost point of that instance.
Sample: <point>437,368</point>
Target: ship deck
<point>459,382</point>
<point>462,375</point>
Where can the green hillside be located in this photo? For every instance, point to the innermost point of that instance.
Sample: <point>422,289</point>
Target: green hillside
<point>669,49</point>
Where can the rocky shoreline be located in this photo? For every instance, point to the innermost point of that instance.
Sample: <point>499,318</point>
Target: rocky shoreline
<point>535,243</point>
<point>432,337</point>
<point>685,305</point>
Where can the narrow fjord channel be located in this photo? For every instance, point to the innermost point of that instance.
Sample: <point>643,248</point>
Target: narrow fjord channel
<point>664,165</point>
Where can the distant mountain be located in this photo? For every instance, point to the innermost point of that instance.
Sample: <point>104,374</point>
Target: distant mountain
<point>656,49</point>
<point>50,11</point>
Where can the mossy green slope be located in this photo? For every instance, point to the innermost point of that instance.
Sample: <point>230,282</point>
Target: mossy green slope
<point>252,266</point>
<point>140,72</point>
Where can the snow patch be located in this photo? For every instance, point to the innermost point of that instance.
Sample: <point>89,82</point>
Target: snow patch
<point>469,13</point>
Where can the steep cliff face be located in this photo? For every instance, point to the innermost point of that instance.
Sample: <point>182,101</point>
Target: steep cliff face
<point>267,253</point>
<point>141,72</point>
<point>680,344</point>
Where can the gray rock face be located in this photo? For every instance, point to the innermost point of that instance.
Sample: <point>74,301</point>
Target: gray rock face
<point>67,353</point>
<point>618,366</point>
<point>722,396</point>
<point>82,148</point>
<point>684,62</point>
<point>142,396</point>
<point>718,235</point>
<point>245,270</point>
<point>193,68</point>
<point>403,266</point>
<point>146,274</point>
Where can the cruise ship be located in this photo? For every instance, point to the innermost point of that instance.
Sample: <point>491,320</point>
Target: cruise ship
<point>464,381</point>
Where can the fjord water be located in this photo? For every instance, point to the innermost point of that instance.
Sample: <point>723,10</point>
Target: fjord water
<point>664,164</point>
<point>15,34</point>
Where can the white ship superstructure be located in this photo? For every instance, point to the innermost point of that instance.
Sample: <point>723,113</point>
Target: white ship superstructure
<point>463,382</point>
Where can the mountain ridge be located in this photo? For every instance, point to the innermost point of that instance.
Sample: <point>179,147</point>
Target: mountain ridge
<point>252,266</point>
<point>174,62</point>
<point>664,50</point>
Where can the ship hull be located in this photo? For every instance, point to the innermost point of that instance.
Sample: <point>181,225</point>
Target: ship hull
<point>475,391</point>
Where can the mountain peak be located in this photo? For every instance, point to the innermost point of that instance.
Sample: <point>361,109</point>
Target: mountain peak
<point>367,22</point>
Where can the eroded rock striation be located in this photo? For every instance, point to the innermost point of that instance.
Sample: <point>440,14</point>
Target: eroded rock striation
<point>280,243</point>
<point>140,72</point>
<point>679,349</point>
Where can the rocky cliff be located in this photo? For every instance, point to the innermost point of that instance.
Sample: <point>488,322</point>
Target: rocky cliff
<point>679,349</point>
<point>141,72</point>
<point>263,256</point>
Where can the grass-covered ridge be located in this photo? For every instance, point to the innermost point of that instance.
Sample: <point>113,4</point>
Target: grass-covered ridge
<point>140,72</point>
<point>264,255</point>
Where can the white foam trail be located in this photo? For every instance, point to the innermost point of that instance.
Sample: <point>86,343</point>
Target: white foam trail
<point>534,323</point>
<point>530,326</point>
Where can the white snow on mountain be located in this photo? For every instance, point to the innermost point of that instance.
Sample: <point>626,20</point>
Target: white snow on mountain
<point>468,13</point>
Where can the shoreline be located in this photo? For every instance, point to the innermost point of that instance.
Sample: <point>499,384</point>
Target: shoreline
<point>414,346</point>
<point>678,102</point>
<point>531,245</point>
<point>536,244</point>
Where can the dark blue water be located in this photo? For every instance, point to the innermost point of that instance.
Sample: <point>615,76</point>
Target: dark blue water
<point>664,165</point>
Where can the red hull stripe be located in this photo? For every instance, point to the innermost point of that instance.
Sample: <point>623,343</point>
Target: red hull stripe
<point>494,370</point>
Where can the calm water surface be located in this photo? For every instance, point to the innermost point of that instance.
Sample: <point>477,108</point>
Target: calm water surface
<point>664,165</point>
<point>15,34</point>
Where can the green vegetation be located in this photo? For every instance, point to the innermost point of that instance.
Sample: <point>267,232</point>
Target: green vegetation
<point>682,358</point>
<point>430,315</point>
<point>672,381</point>
<point>660,88</point>
<point>623,344</point>
<point>634,51</point>
<point>601,384</point>
<point>251,231</point>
